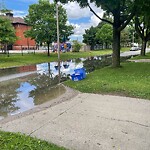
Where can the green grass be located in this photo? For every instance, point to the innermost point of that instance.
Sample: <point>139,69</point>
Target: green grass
<point>132,79</point>
<point>147,56</point>
<point>27,59</point>
<point>17,141</point>
<point>124,49</point>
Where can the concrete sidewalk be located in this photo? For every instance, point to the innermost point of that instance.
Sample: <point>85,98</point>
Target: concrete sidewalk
<point>90,122</point>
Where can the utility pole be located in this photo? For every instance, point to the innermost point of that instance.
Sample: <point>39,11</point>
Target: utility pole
<point>58,46</point>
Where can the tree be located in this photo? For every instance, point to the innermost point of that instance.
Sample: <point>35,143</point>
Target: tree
<point>90,37</point>
<point>126,37</point>
<point>142,25</point>
<point>8,97</point>
<point>7,33</point>
<point>104,34</point>
<point>76,46</point>
<point>42,19</point>
<point>122,12</point>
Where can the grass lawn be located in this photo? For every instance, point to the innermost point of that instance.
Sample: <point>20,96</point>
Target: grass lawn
<point>132,79</point>
<point>27,59</point>
<point>147,56</point>
<point>16,141</point>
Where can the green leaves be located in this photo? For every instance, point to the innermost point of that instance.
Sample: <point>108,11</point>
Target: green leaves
<point>42,19</point>
<point>89,36</point>
<point>105,33</point>
<point>7,32</point>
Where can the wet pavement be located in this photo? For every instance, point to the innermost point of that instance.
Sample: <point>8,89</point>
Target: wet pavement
<point>133,53</point>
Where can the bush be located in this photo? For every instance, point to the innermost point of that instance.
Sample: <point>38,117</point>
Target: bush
<point>76,46</point>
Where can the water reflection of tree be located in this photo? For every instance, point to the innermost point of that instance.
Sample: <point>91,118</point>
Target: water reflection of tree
<point>45,84</point>
<point>7,71</point>
<point>45,88</point>
<point>8,97</point>
<point>93,63</point>
<point>78,60</point>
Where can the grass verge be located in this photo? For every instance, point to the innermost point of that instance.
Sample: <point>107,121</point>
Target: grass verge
<point>132,79</point>
<point>28,59</point>
<point>147,56</point>
<point>17,141</point>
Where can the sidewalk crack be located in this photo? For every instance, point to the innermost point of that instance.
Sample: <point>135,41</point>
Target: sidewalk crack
<point>128,121</point>
<point>57,116</point>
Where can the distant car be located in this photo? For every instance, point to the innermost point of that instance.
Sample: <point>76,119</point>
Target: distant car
<point>135,48</point>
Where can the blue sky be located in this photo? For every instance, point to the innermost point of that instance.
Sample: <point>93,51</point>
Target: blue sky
<point>81,19</point>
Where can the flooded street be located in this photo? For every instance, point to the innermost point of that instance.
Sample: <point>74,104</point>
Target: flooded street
<point>22,88</point>
<point>21,94</point>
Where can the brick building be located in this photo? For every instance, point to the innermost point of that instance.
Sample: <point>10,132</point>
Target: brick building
<point>20,27</point>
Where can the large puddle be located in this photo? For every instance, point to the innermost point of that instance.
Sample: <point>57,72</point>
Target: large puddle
<point>22,88</point>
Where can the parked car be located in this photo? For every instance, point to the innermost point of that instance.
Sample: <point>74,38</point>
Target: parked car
<point>135,48</point>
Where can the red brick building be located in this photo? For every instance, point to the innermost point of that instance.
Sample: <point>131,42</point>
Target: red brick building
<point>20,27</point>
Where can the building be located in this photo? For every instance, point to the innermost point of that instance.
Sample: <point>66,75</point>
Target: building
<point>20,26</point>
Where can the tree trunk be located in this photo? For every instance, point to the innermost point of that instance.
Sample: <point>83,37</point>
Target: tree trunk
<point>116,48</point>
<point>106,45</point>
<point>92,47</point>
<point>7,50</point>
<point>48,54</point>
<point>49,70</point>
<point>143,50</point>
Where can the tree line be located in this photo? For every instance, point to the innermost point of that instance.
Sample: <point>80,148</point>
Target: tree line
<point>122,12</point>
<point>42,19</point>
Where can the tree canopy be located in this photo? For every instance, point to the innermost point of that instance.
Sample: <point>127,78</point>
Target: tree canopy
<point>7,32</point>
<point>142,24</point>
<point>42,19</point>
<point>104,34</point>
<point>90,37</point>
<point>122,12</point>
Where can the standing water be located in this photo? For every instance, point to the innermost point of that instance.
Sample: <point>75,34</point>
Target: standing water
<point>22,88</point>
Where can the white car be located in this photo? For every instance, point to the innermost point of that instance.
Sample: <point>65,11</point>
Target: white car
<point>135,48</point>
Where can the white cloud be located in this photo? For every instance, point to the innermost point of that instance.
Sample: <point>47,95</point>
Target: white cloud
<point>18,13</point>
<point>95,20</point>
<point>81,27</point>
<point>75,12</point>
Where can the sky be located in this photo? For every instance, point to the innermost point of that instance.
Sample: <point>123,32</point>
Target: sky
<point>81,19</point>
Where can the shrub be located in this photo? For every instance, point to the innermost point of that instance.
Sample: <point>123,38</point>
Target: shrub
<point>76,46</point>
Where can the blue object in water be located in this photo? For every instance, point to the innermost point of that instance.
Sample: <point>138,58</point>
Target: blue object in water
<point>79,74</point>
<point>80,71</point>
<point>76,77</point>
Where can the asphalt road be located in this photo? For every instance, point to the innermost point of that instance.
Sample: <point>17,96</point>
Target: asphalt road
<point>130,53</point>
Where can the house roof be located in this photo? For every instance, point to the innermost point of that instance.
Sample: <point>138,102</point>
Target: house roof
<point>15,20</point>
